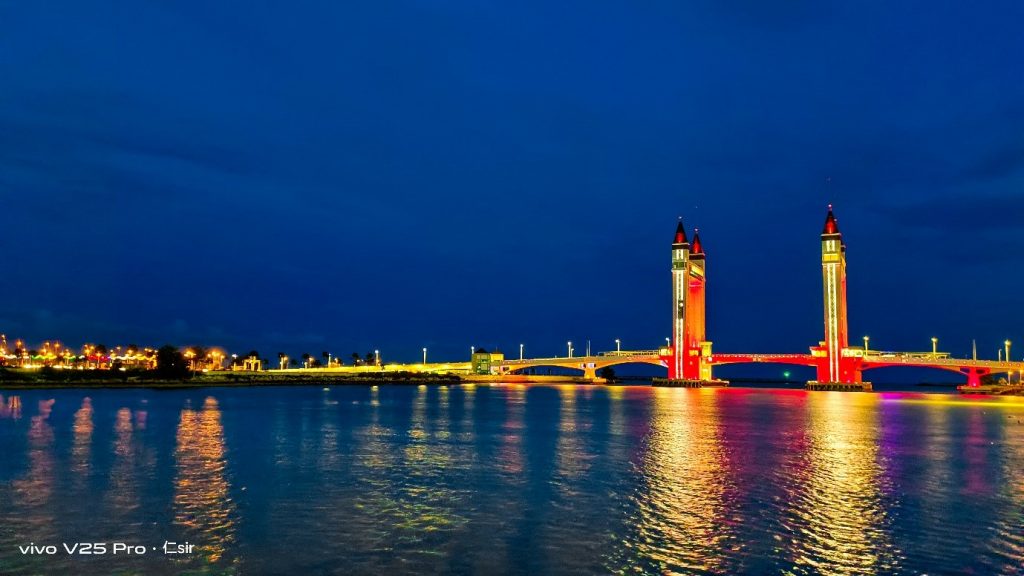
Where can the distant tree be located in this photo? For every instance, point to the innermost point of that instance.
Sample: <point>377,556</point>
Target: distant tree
<point>171,363</point>
<point>608,373</point>
<point>252,354</point>
<point>371,358</point>
<point>356,359</point>
<point>101,349</point>
<point>327,357</point>
<point>305,359</point>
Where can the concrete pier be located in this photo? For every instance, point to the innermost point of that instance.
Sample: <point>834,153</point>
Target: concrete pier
<point>673,383</point>
<point>840,386</point>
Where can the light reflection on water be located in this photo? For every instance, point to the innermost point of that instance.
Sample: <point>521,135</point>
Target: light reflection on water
<point>515,479</point>
<point>680,523</point>
<point>202,503</point>
<point>840,523</point>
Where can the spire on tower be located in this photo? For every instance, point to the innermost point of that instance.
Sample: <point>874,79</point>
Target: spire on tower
<point>680,237</point>
<point>695,248</point>
<point>830,223</point>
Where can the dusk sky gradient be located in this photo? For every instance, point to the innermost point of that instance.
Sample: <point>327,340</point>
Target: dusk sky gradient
<point>345,176</point>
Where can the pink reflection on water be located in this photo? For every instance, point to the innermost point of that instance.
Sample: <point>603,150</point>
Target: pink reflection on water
<point>11,408</point>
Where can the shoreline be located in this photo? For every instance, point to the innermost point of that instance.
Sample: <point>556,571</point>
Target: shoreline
<point>253,380</point>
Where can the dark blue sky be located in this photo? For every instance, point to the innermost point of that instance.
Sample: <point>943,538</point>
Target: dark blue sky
<point>349,175</point>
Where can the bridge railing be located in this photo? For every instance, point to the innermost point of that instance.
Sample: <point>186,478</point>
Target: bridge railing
<point>938,360</point>
<point>598,358</point>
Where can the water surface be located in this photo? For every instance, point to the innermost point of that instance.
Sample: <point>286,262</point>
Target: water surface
<point>513,479</point>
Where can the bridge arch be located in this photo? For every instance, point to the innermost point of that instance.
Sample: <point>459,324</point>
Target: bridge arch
<point>588,365</point>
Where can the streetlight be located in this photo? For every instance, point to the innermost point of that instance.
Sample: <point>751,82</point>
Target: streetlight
<point>1007,344</point>
<point>618,345</point>
<point>424,355</point>
<point>376,357</point>
<point>866,340</point>
<point>935,346</point>
<point>520,351</point>
<point>668,342</point>
<point>1000,354</point>
<point>569,345</point>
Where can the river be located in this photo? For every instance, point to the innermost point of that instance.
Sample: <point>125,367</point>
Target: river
<point>511,479</point>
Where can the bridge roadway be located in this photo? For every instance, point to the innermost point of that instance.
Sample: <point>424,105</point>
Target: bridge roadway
<point>591,364</point>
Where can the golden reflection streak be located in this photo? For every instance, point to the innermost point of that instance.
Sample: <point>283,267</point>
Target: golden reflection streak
<point>81,449</point>
<point>425,505</point>
<point>34,491</point>
<point>122,473</point>
<point>37,486</point>
<point>839,516</point>
<point>571,459</point>
<point>510,447</point>
<point>682,506</point>
<point>201,500</point>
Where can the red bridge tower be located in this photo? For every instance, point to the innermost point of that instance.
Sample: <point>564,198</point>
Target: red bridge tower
<point>689,350</point>
<point>838,366</point>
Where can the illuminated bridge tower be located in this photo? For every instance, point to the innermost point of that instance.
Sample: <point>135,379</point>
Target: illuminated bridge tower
<point>837,367</point>
<point>680,292</point>
<point>688,357</point>
<point>697,349</point>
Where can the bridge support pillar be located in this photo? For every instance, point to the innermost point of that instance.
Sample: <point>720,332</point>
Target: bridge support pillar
<point>844,375</point>
<point>974,376</point>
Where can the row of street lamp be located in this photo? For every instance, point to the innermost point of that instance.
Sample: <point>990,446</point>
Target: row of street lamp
<point>668,342</point>
<point>935,348</point>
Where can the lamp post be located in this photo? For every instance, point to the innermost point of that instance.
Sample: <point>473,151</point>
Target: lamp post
<point>1009,373</point>
<point>424,355</point>
<point>668,342</point>
<point>520,351</point>
<point>618,345</point>
<point>866,340</point>
<point>935,346</point>
<point>376,357</point>
<point>569,346</point>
